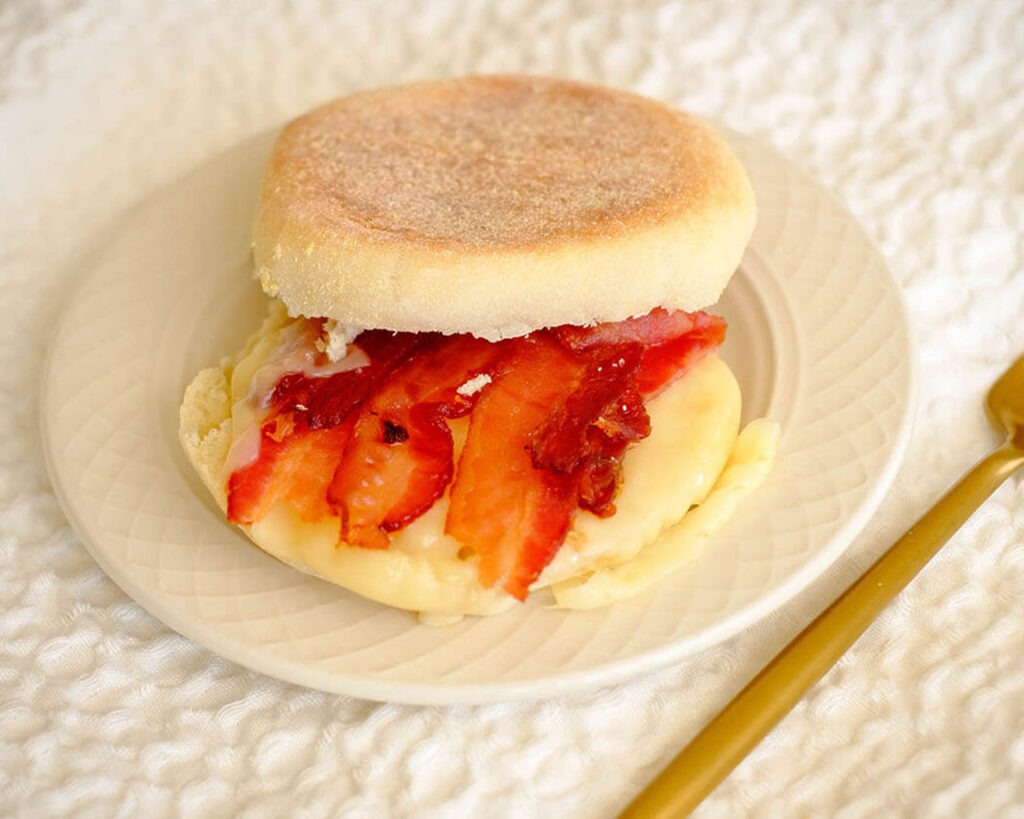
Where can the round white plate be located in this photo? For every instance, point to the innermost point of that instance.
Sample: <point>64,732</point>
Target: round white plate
<point>817,338</point>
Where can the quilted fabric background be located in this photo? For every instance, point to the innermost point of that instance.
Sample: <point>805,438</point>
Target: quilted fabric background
<point>911,113</point>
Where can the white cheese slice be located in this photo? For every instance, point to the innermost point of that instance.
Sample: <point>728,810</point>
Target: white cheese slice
<point>683,542</point>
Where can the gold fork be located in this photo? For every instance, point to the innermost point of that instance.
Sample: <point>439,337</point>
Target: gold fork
<point>745,721</point>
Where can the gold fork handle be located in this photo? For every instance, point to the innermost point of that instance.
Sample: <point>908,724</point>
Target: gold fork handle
<point>745,721</point>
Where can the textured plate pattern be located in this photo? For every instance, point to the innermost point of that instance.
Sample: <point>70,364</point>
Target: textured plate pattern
<point>819,343</point>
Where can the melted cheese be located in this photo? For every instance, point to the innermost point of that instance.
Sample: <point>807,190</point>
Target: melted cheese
<point>426,582</point>
<point>683,542</point>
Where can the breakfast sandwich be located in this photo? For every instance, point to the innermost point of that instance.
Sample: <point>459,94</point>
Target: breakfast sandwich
<point>487,370</point>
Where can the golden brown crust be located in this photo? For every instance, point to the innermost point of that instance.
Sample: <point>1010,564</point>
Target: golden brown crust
<point>496,205</point>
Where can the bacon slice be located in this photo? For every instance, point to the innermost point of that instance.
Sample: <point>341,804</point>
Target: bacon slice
<point>673,342</point>
<point>514,515</point>
<point>560,442</point>
<point>303,438</point>
<point>399,460</point>
<point>587,435</point>
<point>296,469</point>
<point>625,420</point>
<point>656,327</point>
<point>663,364</point>
<point>391,472</point>
<point>327,402</point>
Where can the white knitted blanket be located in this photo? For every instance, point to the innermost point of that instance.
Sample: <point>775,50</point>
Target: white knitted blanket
<point>911,113</point>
